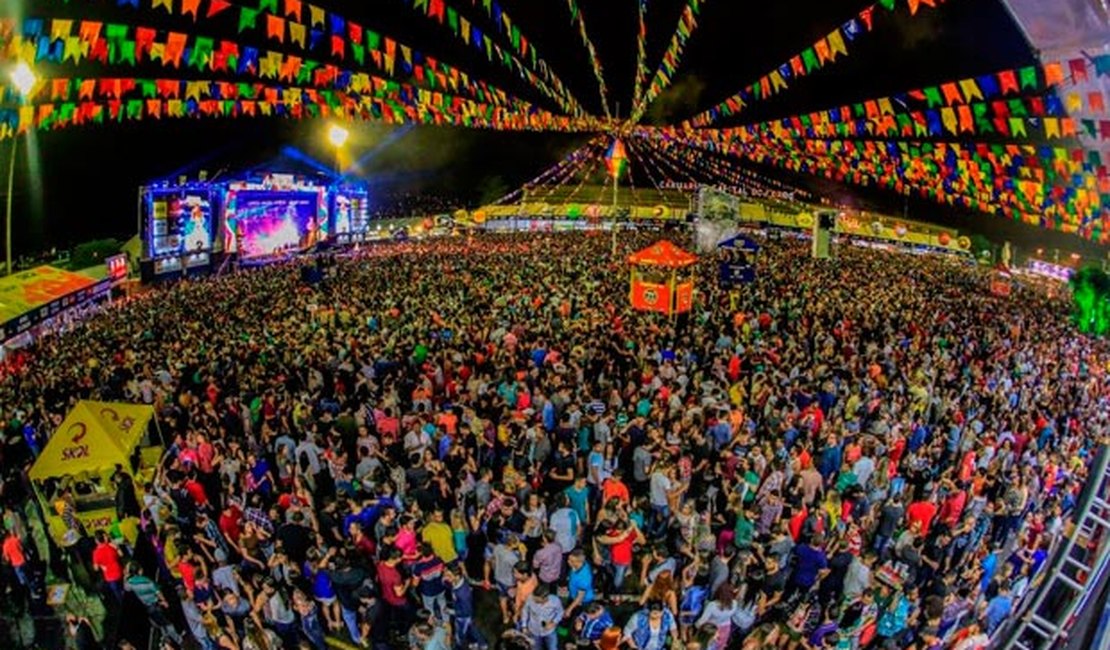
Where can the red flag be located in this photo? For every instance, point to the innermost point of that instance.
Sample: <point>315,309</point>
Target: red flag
<point>865,16</point>
<point>1007,80</point>
<point>1078,68</point>
<point>216,7</point>
<point>436,9</point>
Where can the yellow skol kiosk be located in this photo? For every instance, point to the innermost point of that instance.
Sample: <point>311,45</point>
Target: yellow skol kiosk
<point>73,474</point>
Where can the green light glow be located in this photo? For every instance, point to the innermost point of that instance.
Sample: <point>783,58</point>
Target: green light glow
<point>1091,294</point>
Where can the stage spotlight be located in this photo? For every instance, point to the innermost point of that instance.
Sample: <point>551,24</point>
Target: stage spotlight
<point>338,135</point>
<point>23,78</point>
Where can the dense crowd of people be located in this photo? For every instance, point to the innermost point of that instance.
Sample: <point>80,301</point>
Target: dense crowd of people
<point>475,442</point>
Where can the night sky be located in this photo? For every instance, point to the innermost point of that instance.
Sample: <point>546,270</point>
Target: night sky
<point>86,180</point>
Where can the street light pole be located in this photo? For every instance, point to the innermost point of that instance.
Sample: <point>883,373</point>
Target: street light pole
<point>23,79</point>
<point>8,209</point>
<point>616,218</point>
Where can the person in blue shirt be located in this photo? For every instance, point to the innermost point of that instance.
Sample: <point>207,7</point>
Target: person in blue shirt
<point>831,458</point>
<point>579,497</point>
<point>810,564</point>
<point>988,564</point>
<point>427,576</point>
<point>580,581</point>
<point>538,355</point>
<point>592,623</point>
<point>997,609</point>
<point>650,628</point>
<point>549,419</point>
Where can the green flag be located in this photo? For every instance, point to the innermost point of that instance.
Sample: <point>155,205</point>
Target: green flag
<point>248,19</point>
<point>809,57</point>
<point>1028,77</point>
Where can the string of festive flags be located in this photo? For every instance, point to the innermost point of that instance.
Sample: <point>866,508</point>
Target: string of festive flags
<point>342,38</point>
<point>668,67</point>
<point>1052,165</point>
<point>982,104</point>
<point>641,52</point>
<point>595,61</point>
<point>813,58</point>
<point>720,168</point>
<point>639,160</point>
<point>113,44</point>
<point>1002,179</point>
<point>207,98</point>
<point>524,48</point>
<point>342,35</point>
<point>1004,108</point>
<point>63,41</point>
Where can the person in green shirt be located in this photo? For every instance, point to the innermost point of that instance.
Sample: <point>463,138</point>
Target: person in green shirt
<point>152,599</point>
<point>744,532</point>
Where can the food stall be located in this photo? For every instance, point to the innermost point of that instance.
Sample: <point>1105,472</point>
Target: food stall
<point>94,441</point>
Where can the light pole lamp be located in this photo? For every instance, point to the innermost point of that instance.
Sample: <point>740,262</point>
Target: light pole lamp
<point>23,79</point>
<point>338,136</point>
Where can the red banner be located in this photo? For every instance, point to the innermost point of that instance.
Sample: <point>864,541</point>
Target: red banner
<point>651,297</point>
<point>684,297</point>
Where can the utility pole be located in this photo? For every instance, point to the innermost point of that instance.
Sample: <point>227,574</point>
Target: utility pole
<point>616,180</point>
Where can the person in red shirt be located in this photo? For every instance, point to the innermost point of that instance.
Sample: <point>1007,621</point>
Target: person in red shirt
<point>106,559</point>
<point>196,491</point>
<point>362,543</point>
<point>231,523</point>
<point>953,507</point>
<point>620,542</point>
<point>614,488</point>
<point>923,513</point>
<point>394,590</point>
<point>15,557</point>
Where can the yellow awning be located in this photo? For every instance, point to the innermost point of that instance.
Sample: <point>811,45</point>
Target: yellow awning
<point>94,436</point>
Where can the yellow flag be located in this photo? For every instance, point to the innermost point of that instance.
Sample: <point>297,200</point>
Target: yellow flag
<point>1051,127</point>
<point>297,33</point>
<point>165,4</point>
<point>26,117</point>
<point>948,117</point>
<point>777,82</point>
<point>72,49</point>
<point>195,89</point>
<point>60,29</point>
<point>836,45</point>
<point>316,15</point>
<point>970,89</point>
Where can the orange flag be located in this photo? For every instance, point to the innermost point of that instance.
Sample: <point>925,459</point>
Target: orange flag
<point>190,7</point>
<point>1053,74</point>
<point>275,27</point>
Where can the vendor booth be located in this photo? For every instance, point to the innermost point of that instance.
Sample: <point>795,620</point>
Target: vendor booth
<point>661,279</point>
<point>96,440</point>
